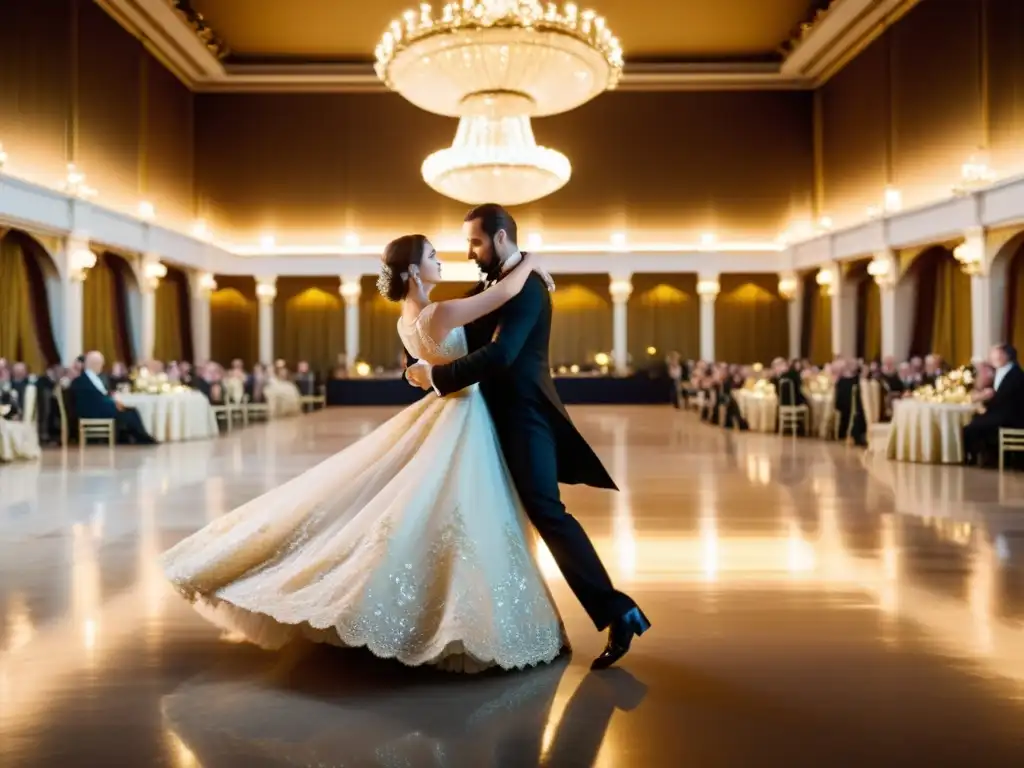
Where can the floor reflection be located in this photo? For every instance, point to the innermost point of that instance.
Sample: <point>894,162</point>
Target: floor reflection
<point>794,587</point>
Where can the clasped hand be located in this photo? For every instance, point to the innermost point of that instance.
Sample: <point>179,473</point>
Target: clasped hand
<point>418,374</point>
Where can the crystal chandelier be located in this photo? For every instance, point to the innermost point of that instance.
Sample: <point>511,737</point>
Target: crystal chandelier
<point>499,57</point>
<point>496,159</point>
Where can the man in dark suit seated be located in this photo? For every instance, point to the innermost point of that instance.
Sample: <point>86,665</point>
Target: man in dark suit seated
<point>1004,407</point>
<point>93,401</point>
<point>305,379</point>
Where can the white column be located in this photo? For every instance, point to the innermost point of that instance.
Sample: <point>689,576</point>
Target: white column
<point>266,292</point>
<point>983,330</point>
<point>621,288</point>
<point>707,289</point>
<point>202,285</point>
<point>897,298</point>
<point>351,289</point>
<point>844,313</point>
<point>75,261</point>
<point>151,273</point>
<point>791,289</point>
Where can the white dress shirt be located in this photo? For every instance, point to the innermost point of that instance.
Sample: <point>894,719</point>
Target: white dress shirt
<point>96,382</point>
<point>1001,374</point>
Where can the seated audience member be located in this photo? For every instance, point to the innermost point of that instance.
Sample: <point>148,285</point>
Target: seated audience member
<point>1003,405</point>
<point>118,377</point>
<point>848,404</point>
<point>984,383</point>
<point>890,377</point>
<point>788,383</point>
<point>732,382</point>
<point>94,401</point>
<point>305,379</point>
<point>255,382</point>
<point>210,383</point>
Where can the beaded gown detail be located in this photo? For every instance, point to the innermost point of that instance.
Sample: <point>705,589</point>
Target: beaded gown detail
<point>411,542</point>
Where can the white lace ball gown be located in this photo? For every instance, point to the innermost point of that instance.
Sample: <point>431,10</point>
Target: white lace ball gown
<point>410,542</point>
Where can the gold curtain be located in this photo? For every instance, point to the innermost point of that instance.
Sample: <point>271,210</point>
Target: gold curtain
<point>581,324</point>
<point>951,325</point>
<point>234,321</point>
<point>751,319</point>
<point>19,340</point>
<point>1016,324</point>
<point>872,321</point>
<point>379,344</point>
<point>821,328</point>
<point>309,321</point>
<point>167,342</point>
<point>100,326</point>
<point>664,313</point>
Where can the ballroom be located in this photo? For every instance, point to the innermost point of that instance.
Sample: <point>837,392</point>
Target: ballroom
<point>784,248</point>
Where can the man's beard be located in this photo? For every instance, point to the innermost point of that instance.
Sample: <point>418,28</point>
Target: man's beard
<point>493,270</point>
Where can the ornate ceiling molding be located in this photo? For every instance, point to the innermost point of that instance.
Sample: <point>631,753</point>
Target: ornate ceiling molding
<point>193,51</point>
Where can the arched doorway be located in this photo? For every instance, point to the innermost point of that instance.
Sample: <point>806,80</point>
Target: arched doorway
<point>664,313</point>
<point>1010,265</point>
<point>234,321</point>
<point>751,319</point>
<point>107,309</point>
<point>869,310</point>
<point>309,322</point>
<point>26,325</point>
<point>173,332</point>
<point>816,325</point>
<point>942,312</point>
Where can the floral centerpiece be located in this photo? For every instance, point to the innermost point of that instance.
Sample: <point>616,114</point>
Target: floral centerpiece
<point>148,383</point>
<point>953,388</point>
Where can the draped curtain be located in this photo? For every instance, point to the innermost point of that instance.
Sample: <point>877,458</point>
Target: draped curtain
<point>234,321</point>
<point>173,339</point>
<point>581,323</point>
<point>106,325</point>
<point>817,321</point>
<point>869,311</point>
<point>26,330</point>
<point>942,317</point>
<point>751,319</point>
<point>664,313</point>
<point>309,321</point>
<point>1014,316</point>
<point>379,344</point>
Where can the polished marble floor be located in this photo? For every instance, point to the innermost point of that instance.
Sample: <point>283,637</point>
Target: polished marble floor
<point>810,608</point>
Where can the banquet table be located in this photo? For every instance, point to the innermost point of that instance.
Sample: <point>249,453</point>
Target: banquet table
<point>18,441</point>
<point>283,398</point>
<point>174,416</point>
<point>822,406</point>
<point>927,432</point>
<point>759,408</point>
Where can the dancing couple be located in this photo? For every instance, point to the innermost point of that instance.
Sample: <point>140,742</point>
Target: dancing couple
<point>411,542</point>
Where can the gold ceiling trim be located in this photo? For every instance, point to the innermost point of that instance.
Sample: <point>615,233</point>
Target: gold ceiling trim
<point>206,34</point>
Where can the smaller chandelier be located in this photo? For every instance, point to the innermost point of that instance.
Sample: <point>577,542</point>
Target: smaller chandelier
<point>496,159</point>
<point>975,174</point>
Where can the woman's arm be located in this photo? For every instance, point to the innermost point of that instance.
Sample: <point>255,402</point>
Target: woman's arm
<point>457,312</point>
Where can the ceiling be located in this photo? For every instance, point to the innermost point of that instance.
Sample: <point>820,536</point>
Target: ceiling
<point>650,30</point>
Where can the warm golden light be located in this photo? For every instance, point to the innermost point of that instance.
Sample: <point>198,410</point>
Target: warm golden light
<point>363,369</point>
<point>147,211</point>
<point>602,359</point>
<point>267,242</point>
<point>534,241</point>
<point>652,351</point>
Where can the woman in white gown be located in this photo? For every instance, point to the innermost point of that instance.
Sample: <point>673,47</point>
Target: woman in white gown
<point>410,542</point>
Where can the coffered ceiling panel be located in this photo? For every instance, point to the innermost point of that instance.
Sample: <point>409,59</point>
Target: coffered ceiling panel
<point>653,30</point>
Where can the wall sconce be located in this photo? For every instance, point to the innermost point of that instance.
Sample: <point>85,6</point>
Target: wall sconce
<point>970,255</point>
<point>619,239</point>
<point>825,224</point>
<point>80,262</point>
<point>207,283</point>
<point>534,241</point>
<point>351,240</point>
<point>154,272</point>
<point>974,174</point>
<point>3,157</point>
<point>201,230</point>
<point>880,268</point>
<point>892,201</point>
<point>74,183</point>
<point>708,289</point>
<point>788,287</point>
<point>826,280</point>
<point>147,211</point>
<point>267,242</point>
<point>708,240</point>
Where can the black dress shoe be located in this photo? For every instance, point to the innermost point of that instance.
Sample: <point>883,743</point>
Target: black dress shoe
<point>631,624</point>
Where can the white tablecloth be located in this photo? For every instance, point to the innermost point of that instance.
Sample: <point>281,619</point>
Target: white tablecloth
<point>18,441</point>
<point>760,409</point>
<point>926,432</point>
<point>282,398</point>
<point>822,406</point>
<point>174,416</point>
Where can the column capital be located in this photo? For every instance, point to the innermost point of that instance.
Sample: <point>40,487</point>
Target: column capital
<point>884,268</point>
<point>351,289</point>
<point>708,288</point>
<point>971,253</point>
<point>620,287</point>
<point>828,278</point>
<point>266,288</point>
<point>202,283</point>
<point>79,258</point>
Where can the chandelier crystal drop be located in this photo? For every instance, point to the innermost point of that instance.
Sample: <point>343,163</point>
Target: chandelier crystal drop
<point>499,57</point>
<point>496,159</point>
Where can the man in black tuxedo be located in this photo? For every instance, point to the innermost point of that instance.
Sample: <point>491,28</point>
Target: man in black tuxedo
<point>93,401</point>
<point>1004,407</point>
<point>509,358</point>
